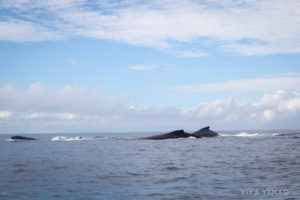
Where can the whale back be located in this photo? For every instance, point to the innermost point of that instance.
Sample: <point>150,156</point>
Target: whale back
<point>171,135</point>
<point>21,138</point>
<point>205,132</point>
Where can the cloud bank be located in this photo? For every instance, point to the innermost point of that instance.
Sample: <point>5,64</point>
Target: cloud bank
<point>289,82</point>
<point>142,67</point>
<point>246,27</point>
<point>73,109</point>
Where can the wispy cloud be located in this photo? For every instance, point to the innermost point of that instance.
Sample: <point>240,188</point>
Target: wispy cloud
<point>48,116</point>
<point>142,67</point>
<point>265,84</point>
<point>24,31</point>
<point>231,25</point>
<point>191,54</point>
<point>72,61</point>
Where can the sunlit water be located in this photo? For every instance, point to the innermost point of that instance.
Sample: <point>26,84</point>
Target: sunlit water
<point>239,165</point>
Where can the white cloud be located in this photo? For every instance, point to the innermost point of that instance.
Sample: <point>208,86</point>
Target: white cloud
<point>38,99</point>
<point>272,111</point>
<point>23,31</point>
<point>33,116</point>
<point>64,116</point>
<point>38,109</point>
<point>5,114</point>
<point>67,116</point>
<point>244,27</point>
<point>266,84</point>
<point>269,114</point>
<point>142,67</point>
<point>250,50</point>
<point>191,54</point>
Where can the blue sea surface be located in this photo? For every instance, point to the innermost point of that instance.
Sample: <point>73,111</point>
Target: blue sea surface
<point>235,165</point>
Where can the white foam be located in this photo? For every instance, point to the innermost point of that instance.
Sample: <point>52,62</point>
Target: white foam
<point>12,140</point>
<point>76,138</point>
<point>16,140</point>
<point>64,138</point>
<point>241,134</point>
<point>225,135</point>
<point>245,134</point>
<point>276,134</point>
<point>188,138</point>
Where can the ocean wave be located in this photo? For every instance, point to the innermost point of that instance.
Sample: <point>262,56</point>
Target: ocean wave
<point>188,138</point>
<point>64,138</point>
<point>17,140</point>
<point>266,134</point>
<point>12,140</point>
<point>240,134</point>
<point>243,134</point>
<point>288,134</point>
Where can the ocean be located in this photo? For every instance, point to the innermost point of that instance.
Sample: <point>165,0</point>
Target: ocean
<point>119,166</point>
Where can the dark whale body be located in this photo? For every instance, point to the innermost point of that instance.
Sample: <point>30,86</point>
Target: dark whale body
<point>171,135</point>
<point>21,138</point>
<point>204,132</point>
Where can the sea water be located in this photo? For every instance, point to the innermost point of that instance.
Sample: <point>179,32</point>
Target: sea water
<point>235,165</point>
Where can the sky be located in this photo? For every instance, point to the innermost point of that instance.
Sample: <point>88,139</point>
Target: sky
<point>161,65</point>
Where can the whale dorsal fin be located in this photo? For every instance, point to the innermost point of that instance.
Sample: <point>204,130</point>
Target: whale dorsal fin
<point>205,128</point>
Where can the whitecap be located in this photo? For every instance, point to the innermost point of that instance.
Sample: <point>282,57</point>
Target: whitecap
<point>245,134</point>
<point>241,134</point>
<point>64,138</point>
<point>76,138</point>
<point>225,135</point>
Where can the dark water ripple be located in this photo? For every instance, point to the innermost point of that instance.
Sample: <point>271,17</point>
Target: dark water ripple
<point>211,168</point>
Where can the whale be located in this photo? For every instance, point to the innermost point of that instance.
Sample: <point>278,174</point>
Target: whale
<point>20,138</point>
<point>203,132</point>
<point>172,135</point>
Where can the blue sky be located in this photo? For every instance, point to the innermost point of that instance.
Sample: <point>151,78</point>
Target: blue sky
<point>70,65</point>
